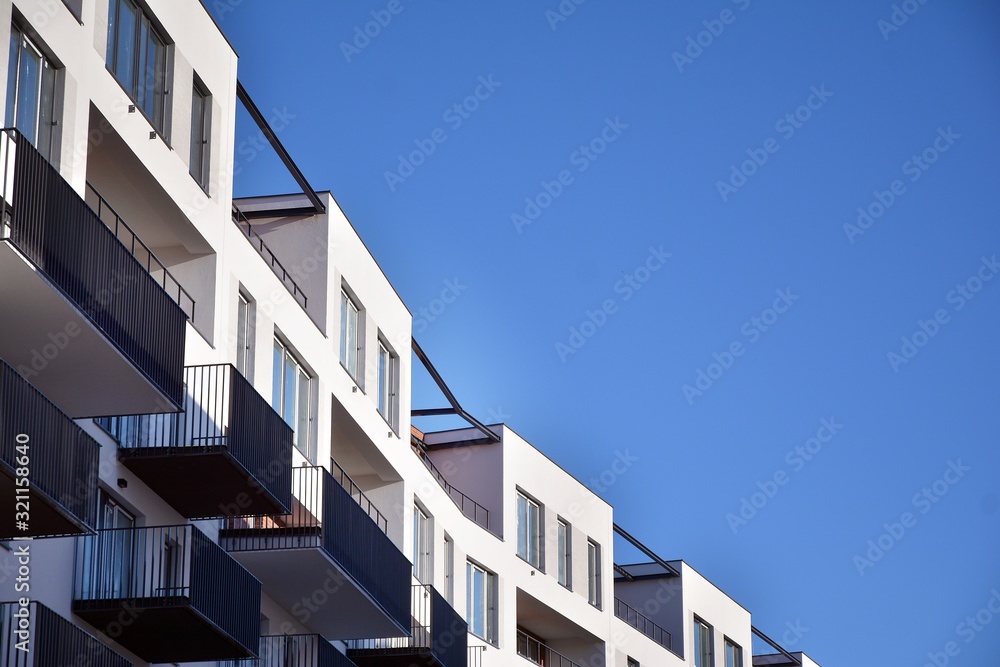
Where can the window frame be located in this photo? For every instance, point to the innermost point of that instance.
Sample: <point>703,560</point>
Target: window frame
<point>44,104</point>
<point>350,313</point>
<point>301,401</point>
<point>534,542</point>
<point>422,539</point>
<point>735,650</point>
<point>489,600</point>
<point>703,629</point>
<point>387,371</point>
<point>594,575</point>
<point>199,169</point>
<point>144,32</point>
<point>564,553</point>
<point>246,315</point>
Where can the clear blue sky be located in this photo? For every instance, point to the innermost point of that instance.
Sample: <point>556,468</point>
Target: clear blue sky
<point>675,127</point>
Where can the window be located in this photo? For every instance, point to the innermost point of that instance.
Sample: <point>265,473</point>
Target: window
<point>387,374</point>
<point>31,83</point>
<point>244,334</point>
<point>702,644</point>
<point>632,662</point>
<point>421,546</point>
<point>481,602</point>
<point>201,107</point>
<point>350,342</point>
<point>449,570</point>
<point>291,397</point>
<point>529,530</point>
<point>564,548</point>
<point>734,654</point>
<point>137,55</point>
<point>594,573</point>
<point>114,550</point>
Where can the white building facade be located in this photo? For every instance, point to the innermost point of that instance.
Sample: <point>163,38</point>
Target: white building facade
<point>207,451</point>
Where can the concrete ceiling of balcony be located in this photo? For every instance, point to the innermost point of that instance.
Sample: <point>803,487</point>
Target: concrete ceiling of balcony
<point>547,623</point>
<point>356,453</point>
<point>136,194</point>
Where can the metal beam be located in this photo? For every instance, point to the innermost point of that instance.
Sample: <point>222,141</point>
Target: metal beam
<point>272,138</point>
<point>646,550</point>
<point>439,381</point>
<point>775,645</point>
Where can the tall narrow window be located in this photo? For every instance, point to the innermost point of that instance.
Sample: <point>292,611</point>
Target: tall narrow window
<point>564,547</point>
<point>137,55</point>
<point>480,603</point>
<point>114,552</point>
<point>449,570</point>
<point>201,106</point>
<point>291,397</point>
<point>387,363</point>
<point>594,573</point>
<point>632,662</point>
<point>421,546</point>
<point>702,644</point>
<point>350,343</point>
<point>734,654</point>
<point>31,84</point>
<point>244,334</point>
<point>529,530</point>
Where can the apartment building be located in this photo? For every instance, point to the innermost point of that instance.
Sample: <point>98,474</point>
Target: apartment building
<point>207,438</point>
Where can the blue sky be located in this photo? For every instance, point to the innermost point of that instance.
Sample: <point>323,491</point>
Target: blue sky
<point>848,357</point>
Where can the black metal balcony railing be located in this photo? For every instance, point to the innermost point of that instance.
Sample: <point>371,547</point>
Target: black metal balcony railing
<point>279,269</point>
<point>294,651</point>
<point>223,414</point>
<point>530,648</point>
<point>183,598</point>
<point>58,460</point>
<point>57,231</point>
<point>476,656</point>
<point>643,624</point>
<point>341,477</point>
<point>139,250</point>
<point>35,636</point>
<point>470,508</point>
<point>437,631</point>
<point>332,514</point>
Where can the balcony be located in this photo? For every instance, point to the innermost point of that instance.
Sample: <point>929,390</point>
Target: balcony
<point>88,324</point>
<point>228,454</point>
<point>55,461</point>
<point>476,656</point>
<point>531,649</point>
<point>470,508</point>
<point>329,560</point>
<point>294,651</point>
<point>35,636</point>
<point>643,624</point>
<point>167,594</point>
<point>438,637</point>
<point>269,257</point>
